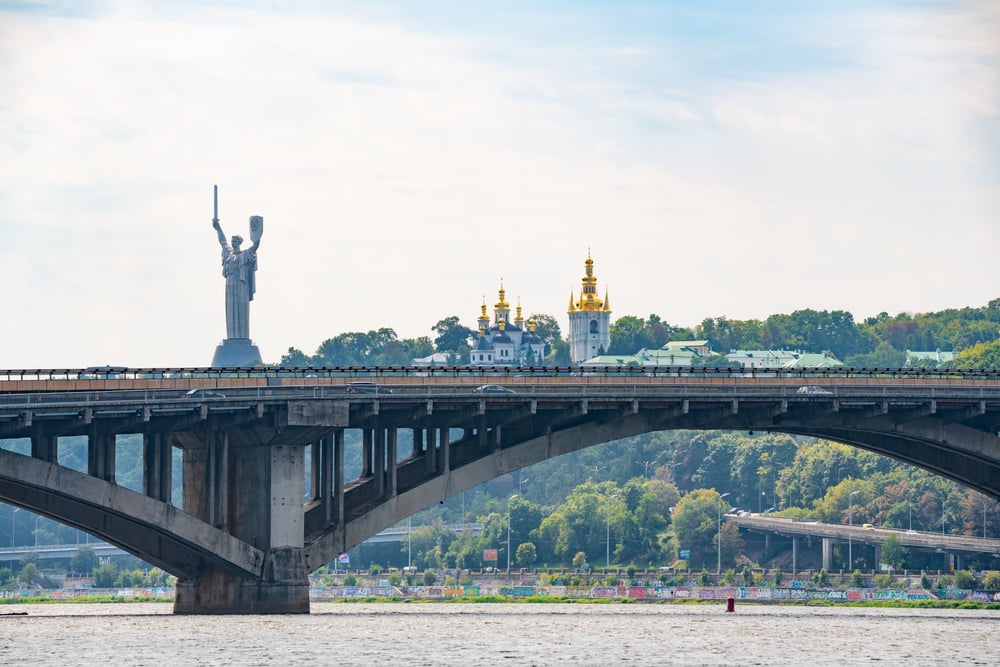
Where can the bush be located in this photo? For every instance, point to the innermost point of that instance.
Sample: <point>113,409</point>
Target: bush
<point>349,580</point>
<point>965,579</point>
<point>821,578</point>
<point>991,581</point>
<point>858,579</point>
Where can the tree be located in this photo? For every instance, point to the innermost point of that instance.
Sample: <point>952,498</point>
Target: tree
<point>29,574</point>
<point>547,328</point>
<point>983,355</point>
<point>965,579</point>
<point>84,561</point>
<point>991,581</point>
<point>451,335</point>
<point>105,576</point>
<point>695,523</point>
<point>893,552</point>
<point>579,559</point>
<point>629,334</point>
<point>526,554</point>
<point>296,358</point>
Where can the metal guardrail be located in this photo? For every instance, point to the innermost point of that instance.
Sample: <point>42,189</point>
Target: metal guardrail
<point>368,372</point>
<point>128,400</point>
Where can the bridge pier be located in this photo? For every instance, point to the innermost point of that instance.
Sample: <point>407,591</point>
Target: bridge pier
<point>284,589</point>
<point>827,553</point>
<point>254,492</point>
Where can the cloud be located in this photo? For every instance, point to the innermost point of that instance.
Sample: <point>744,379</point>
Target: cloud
<point>403,162</point>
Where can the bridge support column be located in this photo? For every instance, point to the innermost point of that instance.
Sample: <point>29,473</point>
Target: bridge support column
<point>101,449</point>
<point>366,452</point>
<point>827,553</point>
<point>338,476</point>
<point>391,455</point>
<point>795,554</point>
<point>443,449</point>
<point>430,455</point>
<point>44,446</point>
<point>379,468</point>
<point>254,492</point>
<point>157,466</point>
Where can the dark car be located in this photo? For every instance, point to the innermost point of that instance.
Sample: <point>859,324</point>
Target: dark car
<point>366,388</point>
<point>493,389</point>
<point>204,393</point>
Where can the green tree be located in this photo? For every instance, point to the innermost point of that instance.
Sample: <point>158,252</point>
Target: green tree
<point>695,524</point>
<point>105,576</point>
<point>29,574</point>
<point>451,335</point>
<point>579,559</point>
<point>893,552</point>
<point>629,334</point>
<point>991,581</point>
<point>983,355</point>
<point>526,554</point>
<point>296,358</point>
<point>84,561</point>
<point>964,579</point>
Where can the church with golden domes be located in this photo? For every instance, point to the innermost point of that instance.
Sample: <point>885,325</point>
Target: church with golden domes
<point>503,341</point>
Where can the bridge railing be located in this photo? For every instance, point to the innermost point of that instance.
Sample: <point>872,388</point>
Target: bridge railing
<point>540,389</point>
<point>487,372</point>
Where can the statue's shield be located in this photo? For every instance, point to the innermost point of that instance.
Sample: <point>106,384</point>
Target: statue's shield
<point>256,227</point>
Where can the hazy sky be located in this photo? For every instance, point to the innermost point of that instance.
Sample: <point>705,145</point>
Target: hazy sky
<point>717,159</point>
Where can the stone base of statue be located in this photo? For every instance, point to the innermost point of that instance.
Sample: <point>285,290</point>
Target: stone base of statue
<point>236,352</point>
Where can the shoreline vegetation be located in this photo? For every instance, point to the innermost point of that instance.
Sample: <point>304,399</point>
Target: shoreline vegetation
<point>539,599</point>
<point>720,600</point>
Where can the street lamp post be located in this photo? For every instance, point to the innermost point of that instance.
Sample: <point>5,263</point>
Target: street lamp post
<point>508,531</point>
<point>942,515</point>
<point>850,531</point>
<point>984,518</point>
<point>607,534</point>
<point>718,565</point>
<point>13,528</point>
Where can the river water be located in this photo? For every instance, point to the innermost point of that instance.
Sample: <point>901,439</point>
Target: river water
<point>499,634</point>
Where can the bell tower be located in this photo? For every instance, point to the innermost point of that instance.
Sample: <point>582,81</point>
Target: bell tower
<point>589,319</point>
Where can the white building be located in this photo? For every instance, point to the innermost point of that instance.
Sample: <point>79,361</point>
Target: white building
<point>589,319</point>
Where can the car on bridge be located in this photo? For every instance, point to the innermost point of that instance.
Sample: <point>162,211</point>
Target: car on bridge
<point>493,389</point>
<point>203,393</point>
<point>366,388</point>
<point>813,389</point>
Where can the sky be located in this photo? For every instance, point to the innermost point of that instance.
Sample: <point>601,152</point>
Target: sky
<point>734,159</point>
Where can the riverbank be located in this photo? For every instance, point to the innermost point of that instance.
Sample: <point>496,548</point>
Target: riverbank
<point>890,598</point>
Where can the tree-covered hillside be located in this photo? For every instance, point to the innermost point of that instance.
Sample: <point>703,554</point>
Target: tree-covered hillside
<point>879,341</point>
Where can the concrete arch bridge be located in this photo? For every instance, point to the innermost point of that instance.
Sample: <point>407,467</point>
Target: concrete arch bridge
<point>244,541</point>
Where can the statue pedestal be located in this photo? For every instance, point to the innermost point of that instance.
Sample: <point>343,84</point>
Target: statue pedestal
<point>236,352</point>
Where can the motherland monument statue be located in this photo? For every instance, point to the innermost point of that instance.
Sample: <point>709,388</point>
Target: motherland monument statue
<point>238,268</point>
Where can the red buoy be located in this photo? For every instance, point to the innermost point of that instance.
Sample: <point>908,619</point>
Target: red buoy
<point>731,604</point>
